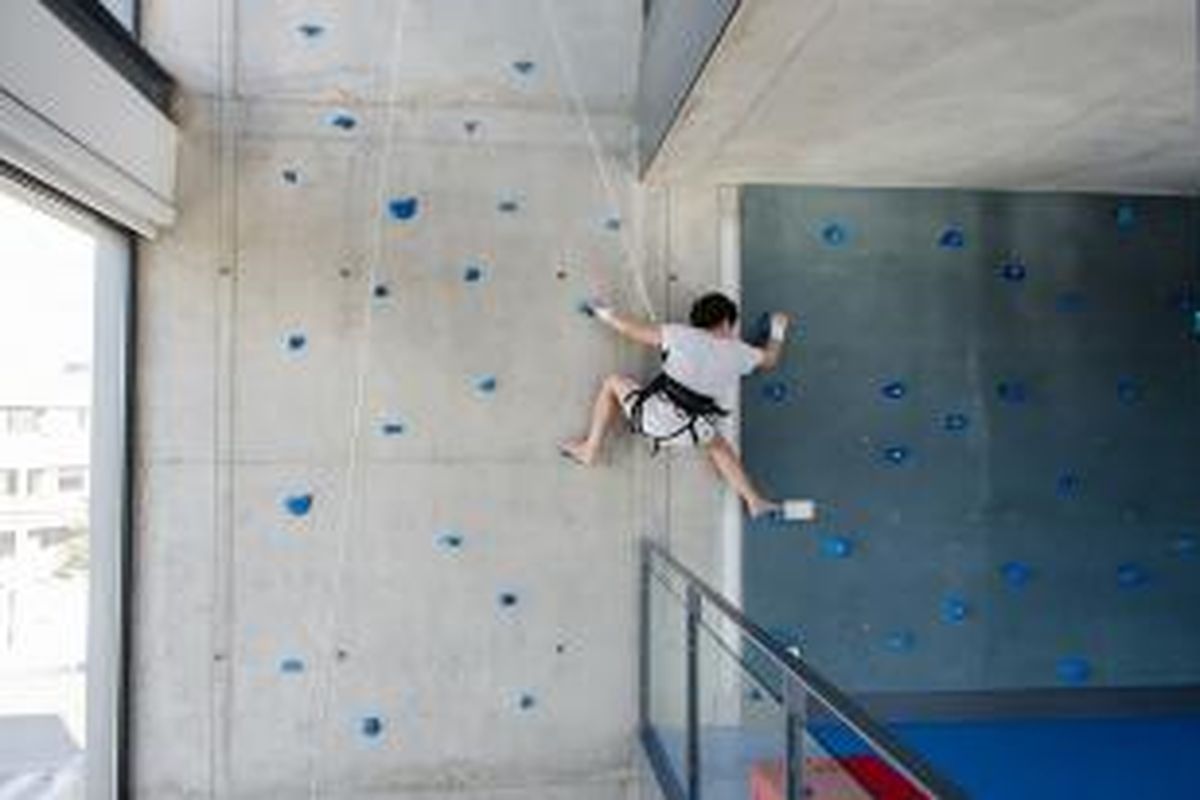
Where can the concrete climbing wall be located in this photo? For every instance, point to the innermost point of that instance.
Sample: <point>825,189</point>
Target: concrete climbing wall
<point>994,398</point>
<point>362,568</point>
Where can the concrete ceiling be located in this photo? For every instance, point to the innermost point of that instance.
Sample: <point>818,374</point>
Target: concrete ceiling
<point>1093,95</point>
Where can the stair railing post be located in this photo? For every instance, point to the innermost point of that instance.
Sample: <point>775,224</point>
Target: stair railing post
<point>795,698</point>
<point>693,693</point>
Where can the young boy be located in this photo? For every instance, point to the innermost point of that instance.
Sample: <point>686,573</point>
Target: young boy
<point>702,364</point>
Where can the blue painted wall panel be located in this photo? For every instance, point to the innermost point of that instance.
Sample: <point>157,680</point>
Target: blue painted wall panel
<point>1050,416</point>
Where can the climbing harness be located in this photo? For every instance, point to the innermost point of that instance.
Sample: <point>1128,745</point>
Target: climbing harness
<point>693,407</point>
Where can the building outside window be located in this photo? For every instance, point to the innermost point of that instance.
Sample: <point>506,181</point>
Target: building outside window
<point>72,479</point>
<point>9,482</point>
<point>63,289</point>
<point>36,482</point>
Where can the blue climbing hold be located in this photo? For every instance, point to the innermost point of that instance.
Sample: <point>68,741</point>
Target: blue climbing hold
<point>613,223</point>
<point>1067,485</point>
<point>1013,393</point>
<point>486,384</point>
<point>952,238</point>
<point>836,547</point>
<point>523,66</point>
<point>755,694</point>
<point>896,454</point>
<point>835,234</point>
<point>586,308</point>
<point>403,208</point>
<point>1129,390</point>
<point>392,428</point>
<point>371,727</point>
<point>1013,271</point>
<point>1196,324</point>
<point>298,505</point>
<point>508,206</point>
<point>507,599</point>
<point>343,120</point>
<point>291,176</point>
<point>894,390</point>
<point>955,422</point>
<point>1016,574</point>
<point>902,641</point>
<point>775,391</point>
<point>310,30</point>
<point>1125,216</point>
<point>1184,546</point>
<point>760,331</point>
<point>954,609</point>
<point>1073,670</point>
<point>296,341</point>
<point>1070,302</point>
<point>526,702</point>
<point>1131,575</point>
<point>472,274</point>
<point>291,666</point>
<point>451,541</point>
<point>381,291</point>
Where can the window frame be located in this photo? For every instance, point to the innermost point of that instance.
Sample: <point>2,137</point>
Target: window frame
<point>109,482</point>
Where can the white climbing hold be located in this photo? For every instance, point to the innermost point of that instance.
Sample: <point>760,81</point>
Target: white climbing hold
<point>799,510</point>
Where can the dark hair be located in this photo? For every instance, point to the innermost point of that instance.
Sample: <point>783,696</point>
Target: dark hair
<point>712,309</point>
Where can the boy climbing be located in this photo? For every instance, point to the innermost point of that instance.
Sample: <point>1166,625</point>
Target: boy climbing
<point>702,364</point>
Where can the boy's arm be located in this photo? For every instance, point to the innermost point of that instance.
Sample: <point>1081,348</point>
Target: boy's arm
<point>773,352</point>
<point>645,333</point>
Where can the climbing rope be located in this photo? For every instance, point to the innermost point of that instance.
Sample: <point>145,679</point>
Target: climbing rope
<point>350,497</point>
<point>579,105</point>
<point>351,482</point>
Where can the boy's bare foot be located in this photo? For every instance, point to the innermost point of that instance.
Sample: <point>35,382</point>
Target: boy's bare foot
<point>763,508</point>
<point>578,452</point>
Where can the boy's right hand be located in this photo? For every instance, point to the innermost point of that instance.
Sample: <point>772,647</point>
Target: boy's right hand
<point>779,326</point>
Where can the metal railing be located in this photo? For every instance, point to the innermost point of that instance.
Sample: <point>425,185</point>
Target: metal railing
<point>723,705</point>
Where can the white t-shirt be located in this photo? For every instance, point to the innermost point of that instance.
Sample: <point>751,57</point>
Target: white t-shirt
<point>710,365</point>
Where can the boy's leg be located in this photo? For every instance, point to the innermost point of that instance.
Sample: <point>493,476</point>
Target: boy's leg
<point>607,406</point>
<point>730,466</point>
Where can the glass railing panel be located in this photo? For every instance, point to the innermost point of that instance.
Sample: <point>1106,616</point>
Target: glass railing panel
<point>731,713</point>
<point>742,716</point>
<point>666,641</point>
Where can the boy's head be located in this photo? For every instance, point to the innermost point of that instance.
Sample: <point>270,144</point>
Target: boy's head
<point>715,313</point>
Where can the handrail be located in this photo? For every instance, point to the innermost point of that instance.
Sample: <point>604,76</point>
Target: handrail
<point>899,757</point>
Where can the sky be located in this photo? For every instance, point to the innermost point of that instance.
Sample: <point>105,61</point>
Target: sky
<point>46,284</point>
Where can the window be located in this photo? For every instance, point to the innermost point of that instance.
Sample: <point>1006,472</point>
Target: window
<point>36,482</point>
<point>24,420</point>
<point>72,480</point>
<point>49,537</point>
<point>64,318</point>
<point>9,479</point>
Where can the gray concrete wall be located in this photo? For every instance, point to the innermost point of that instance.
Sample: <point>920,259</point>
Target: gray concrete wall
<point>269,645</point>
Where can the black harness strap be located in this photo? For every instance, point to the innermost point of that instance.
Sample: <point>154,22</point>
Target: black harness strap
<point>695,407</point>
